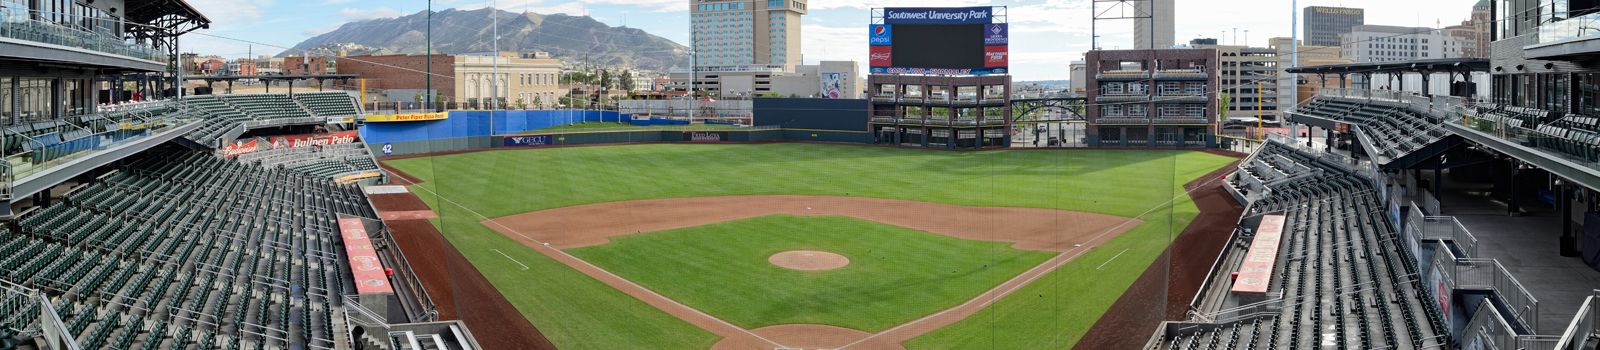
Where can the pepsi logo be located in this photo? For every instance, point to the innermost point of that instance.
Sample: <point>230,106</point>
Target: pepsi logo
<point>880,30</point>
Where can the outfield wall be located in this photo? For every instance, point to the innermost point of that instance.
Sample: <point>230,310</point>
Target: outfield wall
<point>776,119</point>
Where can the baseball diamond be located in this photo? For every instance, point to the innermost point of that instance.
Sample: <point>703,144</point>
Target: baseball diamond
<point>600,247</point>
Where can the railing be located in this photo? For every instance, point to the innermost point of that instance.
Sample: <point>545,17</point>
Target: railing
<point>1448,228</point>
<point>1488,326</point>
<point>1138,74</point>
<point>1571,28</point>
<point>1585,324</point>
<point>1488,274</point>
<point>22,28</point>
<point>252,124</point>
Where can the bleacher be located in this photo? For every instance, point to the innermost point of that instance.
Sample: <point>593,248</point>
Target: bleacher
<point>226,113</point>
<point>180,249</point>
<point>328,104</point>
<point>1394,131</point>
<point>1343,280</point>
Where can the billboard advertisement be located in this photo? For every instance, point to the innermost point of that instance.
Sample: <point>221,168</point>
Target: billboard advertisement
<point>939,41</point>
<point>880,56</point>
<point>937,15</point>
<point>996,57</point>
<point>997,34</point>
<point>881,35</point>
<point>832,85</point>
<point>370,275</point>
<point>409,117</point>
<point>240,147</point>
<point>528,141</point>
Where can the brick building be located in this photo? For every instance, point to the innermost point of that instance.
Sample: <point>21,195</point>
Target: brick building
<point>1152,98</point>
<point>299,65</point>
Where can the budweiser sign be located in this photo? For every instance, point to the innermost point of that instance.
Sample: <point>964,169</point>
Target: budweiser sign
<point>241,147</point>
<point>296,141</point>
<point>880,57</point>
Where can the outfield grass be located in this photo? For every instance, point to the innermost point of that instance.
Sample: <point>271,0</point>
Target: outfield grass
<point>895,274</point>
<point>610,126</point>
<point>577,312</point>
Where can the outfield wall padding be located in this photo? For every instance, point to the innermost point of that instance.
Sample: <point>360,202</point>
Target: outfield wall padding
<point>461,124</point>
<point>812,113</point>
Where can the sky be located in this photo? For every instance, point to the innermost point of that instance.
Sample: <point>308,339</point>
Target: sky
<point>1046,35</point>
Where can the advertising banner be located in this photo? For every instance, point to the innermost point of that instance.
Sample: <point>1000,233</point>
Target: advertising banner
<point>308,140</point>
<point>997,34</point>
<point>1256,270</point>
<point>409,117</point>
<point>881,35</point>
<point>880,56</point>
<point>832,85</point>
<point>936,71</point>
<point>996,56</point>
<point>528,141</point>
<point>370,277</point>
<point>705,137</point>
<point>930,15</point>
<point>237,148</point>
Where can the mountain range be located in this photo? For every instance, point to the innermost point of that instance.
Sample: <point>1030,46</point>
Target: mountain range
<point>576,39</point>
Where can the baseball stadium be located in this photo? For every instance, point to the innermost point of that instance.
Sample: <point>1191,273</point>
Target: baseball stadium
<point>943,209</point>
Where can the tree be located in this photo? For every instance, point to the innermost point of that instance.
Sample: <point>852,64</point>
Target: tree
<point>605,79</point>
<point>537,103</point>
<point>627,80</point>
<point>522,104</point>
<point>1222,107</point>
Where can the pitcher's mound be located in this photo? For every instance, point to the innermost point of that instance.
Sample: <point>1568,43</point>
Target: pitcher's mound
<point>808,260</point>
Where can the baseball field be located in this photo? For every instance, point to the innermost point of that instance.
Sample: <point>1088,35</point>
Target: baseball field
<point>767,246</point>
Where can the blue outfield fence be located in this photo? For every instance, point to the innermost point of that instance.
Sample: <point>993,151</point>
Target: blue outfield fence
<point>462,124</point>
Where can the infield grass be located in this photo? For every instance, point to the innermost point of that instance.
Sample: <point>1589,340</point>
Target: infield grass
<point>577,312</point>
<point>895,274</point>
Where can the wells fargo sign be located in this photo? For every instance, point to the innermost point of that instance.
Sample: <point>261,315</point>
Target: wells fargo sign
<point>1338,11</point>
<point>408,117</point>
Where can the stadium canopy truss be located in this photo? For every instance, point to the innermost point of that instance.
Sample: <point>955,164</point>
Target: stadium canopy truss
<point>160,22</point>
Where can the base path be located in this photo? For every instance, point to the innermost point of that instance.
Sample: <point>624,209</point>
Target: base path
<point>1066,232</point>
<point>1027,228</point>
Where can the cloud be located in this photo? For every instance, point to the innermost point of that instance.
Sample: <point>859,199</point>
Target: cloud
<point>231,12</point>
<point>855,4</point>
<point>834,43</point>
<point>336,2</point>
<point>355,14</point>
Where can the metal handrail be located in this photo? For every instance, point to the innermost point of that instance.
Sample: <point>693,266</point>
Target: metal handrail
<point>1585,324</point>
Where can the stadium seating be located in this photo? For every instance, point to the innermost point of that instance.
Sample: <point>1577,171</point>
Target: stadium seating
<point>1341,274</point>
<point>328,104</point>
<point>179,249</point>
<point>1393,131</point>
<point>226,113</point>
<point>330,161</point>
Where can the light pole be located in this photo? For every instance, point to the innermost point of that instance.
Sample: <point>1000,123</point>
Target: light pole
<point>429,59</point>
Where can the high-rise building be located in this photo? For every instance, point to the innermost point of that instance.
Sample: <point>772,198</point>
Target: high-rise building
<point>1151,98</point>
<point>1325,24</point>
<point>1165,31</point>
<point>742,33</point>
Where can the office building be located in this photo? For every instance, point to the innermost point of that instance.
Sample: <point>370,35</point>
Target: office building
<point>750,81</point>
<point>1324,25</point>
<point>1163,13</point>
<point>532,78</point>
<point>1145,98</point>
<point>1249,80</point>
<point>743,33</point>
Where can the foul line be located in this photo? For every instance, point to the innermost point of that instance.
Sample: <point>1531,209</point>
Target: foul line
<point>1108,261</point>
<point>508,257</point>
<point>604,271</point>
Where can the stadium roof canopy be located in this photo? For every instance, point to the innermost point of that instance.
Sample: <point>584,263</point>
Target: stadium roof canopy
<point>1417,66</point>
<point>161,18</point>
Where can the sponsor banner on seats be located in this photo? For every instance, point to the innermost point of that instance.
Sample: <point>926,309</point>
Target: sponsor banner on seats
<point>357,177</point>
<point>370,277</point>
<point>406,117</point>
<point>241,147</point>
<point>308,140</point>
<point>1256,271</point>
